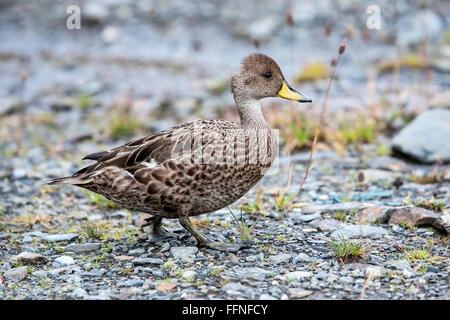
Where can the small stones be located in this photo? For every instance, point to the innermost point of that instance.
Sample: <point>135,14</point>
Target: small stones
<point>59,237</point>
<point>64,261</point>
<point>30,258</point>
<point>183,252</point>
<point>16,274</point>
<point>144,261</point>
<point>83,247</point>
<point>413,215</point>
<point>356,231</point>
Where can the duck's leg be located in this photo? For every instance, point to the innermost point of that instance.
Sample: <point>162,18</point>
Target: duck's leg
<point>203,241</point>
<point>158,233</point>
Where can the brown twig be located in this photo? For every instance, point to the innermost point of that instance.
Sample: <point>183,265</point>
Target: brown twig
<point>318,128</point>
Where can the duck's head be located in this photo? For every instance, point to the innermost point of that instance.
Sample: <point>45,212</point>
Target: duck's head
<point>260,77</point>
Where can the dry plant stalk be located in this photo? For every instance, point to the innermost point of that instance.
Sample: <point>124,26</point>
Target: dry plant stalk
<point>334,64</point>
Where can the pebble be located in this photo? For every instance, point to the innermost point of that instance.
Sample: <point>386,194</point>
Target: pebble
<point>295,293</point>
<point>301,257</point>
<point>83,247</point>
<point>280,258</point>
<point>64,261</point>
<point>298,275</point>
<point>31,258</point>
<point>16,274</point>
<point>252,273</point>
<point>183,252</point>
<point>59,237</point>
<point>144,261</point>
<point>355,231</point>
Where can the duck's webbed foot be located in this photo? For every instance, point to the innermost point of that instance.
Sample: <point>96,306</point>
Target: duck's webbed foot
<point>203,241</point>
<point>157,233</point>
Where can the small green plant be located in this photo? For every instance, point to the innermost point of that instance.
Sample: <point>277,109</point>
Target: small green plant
<point>383,150</point>
<point>407,225</point>
<point>412,255</point>
<point>283,202</point>
<point>215,272</point>
<point>346,250</point>
<point>432,204</point>
<point>93,232</point>
<point>423,268</point>
<point>244,230</point>
<point>123,126</point>
<point>340,215</point>
<point>84,101</point>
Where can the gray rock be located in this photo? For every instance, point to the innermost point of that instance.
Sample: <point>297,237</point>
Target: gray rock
<point>132,283</point>
<point>344,206</point>
<point>16,274</point>
<point>413,215</point>
<point>374,215</point>
<point>253,273</point>
<point>443,222</point>
<point>301,257</point>
<point>328,225</point>
<point>298,275</point>
<point>296,216</point>
<point>144,261</point>
<point>59,237</point>
<point>93,273</point>
<point>83,247</point>
<point>355,231</point>
<point>426,138</point>
<point>31,258</point>
<point>79,293</point>
<point>40,274</point>
<point>295,293</point>
<point>234,286</point>
<point>280,258</point>
<point>183,252</point>
<point>399,264</point>
<point>63,261</point>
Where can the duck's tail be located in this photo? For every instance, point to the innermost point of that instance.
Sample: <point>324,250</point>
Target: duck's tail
<point>75,181</point>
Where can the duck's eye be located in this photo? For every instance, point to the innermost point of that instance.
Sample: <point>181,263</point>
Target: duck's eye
<point>267,75</point>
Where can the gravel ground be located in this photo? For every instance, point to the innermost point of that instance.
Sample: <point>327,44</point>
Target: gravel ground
<point>57,244</point>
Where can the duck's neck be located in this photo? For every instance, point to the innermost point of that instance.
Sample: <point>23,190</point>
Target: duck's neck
<point>250,113</point>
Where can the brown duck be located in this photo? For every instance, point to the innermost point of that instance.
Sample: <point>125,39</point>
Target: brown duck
<point>197,167</point>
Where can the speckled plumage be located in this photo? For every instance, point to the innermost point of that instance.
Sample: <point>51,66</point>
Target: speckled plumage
<point>197,167</point>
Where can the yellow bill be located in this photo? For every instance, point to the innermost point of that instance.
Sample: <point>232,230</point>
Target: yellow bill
<point>287,92</point>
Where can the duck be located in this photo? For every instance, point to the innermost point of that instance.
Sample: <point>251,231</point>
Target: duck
<point>196,167</point>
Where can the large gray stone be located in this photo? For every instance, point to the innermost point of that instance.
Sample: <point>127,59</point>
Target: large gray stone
<point>426,139</point>
<point>356,231</point>
<point>16,274</point>
<point>83,247</point>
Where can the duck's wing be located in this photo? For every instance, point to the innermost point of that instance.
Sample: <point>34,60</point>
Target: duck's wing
<point>182,141</point>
